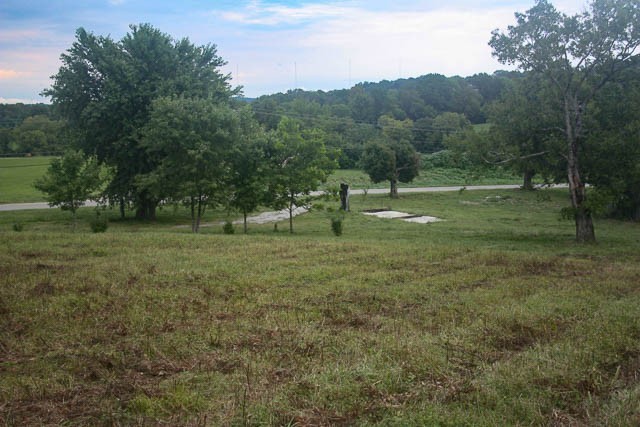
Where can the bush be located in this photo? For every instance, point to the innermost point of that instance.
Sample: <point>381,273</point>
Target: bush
<point>336,226</point>
<point>99,224</point>
<point>18,226</point>
<point>228,228</point>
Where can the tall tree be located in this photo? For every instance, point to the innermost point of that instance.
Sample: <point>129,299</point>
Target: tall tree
<point>578,55</point>
<point>105,89</point>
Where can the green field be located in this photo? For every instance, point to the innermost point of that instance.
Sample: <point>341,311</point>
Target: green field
<point>17,176</point>
<point>435,177</point>
<point>491,317</point>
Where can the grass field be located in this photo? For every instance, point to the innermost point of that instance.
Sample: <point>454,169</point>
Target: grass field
<point>428,178</point>
<point>17,176</point>
<point>491,317</point>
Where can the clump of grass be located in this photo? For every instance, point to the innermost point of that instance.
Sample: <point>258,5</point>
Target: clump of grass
<point>17,226</point>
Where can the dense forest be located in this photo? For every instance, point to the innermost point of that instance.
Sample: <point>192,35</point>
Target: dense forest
<point>431,106</point>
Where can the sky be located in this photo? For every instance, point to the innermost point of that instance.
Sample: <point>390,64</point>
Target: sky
<point>270,46</point>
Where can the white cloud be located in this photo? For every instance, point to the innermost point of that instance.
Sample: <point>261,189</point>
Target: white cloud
<point>357,45</point>
<point>19,101</point>
<point>257,13</point>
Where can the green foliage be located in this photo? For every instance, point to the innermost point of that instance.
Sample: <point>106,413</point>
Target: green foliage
<point>391,160</point>
<point>70,181</point>
<point>106,91</point>
<point>298,163</point>
<point>228,228</point>
<point>99,224</point>
<point>336,224</point>
<point>190,140</point>
<point>576,56</point>
<point>17,226</point>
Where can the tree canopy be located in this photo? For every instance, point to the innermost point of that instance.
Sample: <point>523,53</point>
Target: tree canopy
<point>105,91</point>
<point>578,55</point>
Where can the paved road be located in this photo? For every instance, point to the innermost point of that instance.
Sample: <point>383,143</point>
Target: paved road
<point>43,205</point>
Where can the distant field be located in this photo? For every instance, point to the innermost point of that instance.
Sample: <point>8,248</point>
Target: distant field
<point>490,317</point>
<point>434,177</point>
<point>17,176</point>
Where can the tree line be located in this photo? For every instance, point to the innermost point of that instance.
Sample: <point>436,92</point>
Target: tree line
<point>29,129</point>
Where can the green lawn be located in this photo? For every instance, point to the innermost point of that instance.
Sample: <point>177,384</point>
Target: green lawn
<point>491,317</point>
<point>428,178</point>
<point>17,175</point>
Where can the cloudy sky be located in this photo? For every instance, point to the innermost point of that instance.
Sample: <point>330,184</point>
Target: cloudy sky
<point>270,46</point>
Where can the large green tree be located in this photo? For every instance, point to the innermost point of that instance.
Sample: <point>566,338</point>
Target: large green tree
<point>577,55</point>
<point>105,90</point>
<point>612,158</point>
<point>524,132</point>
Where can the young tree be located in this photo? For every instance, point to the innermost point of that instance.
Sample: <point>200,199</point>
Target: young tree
<point>577,55</point>
<point>190,141</point>
<point>395,162</point>
<point>70,181</point>
<point>299,162</point>
<point>105,88</point>
<point>247,182</point>
<point>391,157</point>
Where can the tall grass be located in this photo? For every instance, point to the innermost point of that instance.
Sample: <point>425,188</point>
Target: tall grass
<point>490,317</point>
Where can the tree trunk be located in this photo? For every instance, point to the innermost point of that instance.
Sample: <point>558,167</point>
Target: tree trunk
<point>146,210</point>
<point>527,183</point>
<point>122,210</point>
<point>393,193</point>
<point>584,227</point>
<point>290,217</point>
<point>244,217</point>
<point>192,205</point>
<point>199,216</point>
<point>584,224</point>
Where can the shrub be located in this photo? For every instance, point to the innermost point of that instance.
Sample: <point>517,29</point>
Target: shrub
<point>336,226</point>
<point>99,224</point>
<point>228,228</point>
<point>18,226</point>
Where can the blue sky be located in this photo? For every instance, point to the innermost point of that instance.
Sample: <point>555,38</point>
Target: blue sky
<point>270,46</point>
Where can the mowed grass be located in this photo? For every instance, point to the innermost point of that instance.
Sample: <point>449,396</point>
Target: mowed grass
<point>433,177</point>
<point>491,317</point>
<point>17,175</point>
